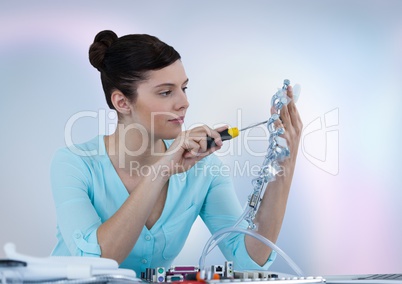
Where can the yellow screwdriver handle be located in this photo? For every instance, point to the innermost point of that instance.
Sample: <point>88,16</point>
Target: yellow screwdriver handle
<point>226,134</point>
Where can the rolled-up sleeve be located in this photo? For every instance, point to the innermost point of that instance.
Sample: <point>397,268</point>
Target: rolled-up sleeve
<point>222,209</point>
<point>244,263</point>
<point>85,245</point>
<point>77,218</point>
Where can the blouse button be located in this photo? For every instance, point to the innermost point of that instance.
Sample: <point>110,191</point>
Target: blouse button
<point>144,261</point>
<point>148,237</point>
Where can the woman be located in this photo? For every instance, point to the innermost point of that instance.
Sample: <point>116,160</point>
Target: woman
<point>133,196</point>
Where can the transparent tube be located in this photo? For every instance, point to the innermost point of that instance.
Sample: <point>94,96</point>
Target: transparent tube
<point>10,276</point>
<point>218,240</point>
<point>264,240</point>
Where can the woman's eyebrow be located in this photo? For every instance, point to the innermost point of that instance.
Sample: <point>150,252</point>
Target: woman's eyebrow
<point>170,84</point>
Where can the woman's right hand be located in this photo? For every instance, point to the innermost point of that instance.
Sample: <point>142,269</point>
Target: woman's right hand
<point>190,147</point>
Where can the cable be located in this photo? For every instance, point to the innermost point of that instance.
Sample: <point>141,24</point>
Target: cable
<point>245,212</point>
<point>264,240</point>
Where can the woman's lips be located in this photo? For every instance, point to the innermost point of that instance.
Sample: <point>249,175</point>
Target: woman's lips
<point>177,120</point>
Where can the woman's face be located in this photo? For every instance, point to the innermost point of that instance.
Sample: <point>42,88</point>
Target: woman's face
<point>161,103</point>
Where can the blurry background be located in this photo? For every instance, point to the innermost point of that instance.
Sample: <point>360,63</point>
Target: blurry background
<point>344,213</point>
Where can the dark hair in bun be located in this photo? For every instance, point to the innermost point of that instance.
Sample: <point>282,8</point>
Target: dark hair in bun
<point>97,51</point>
<point>125,61</point>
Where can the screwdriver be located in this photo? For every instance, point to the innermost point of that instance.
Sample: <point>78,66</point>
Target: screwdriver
<point>230,133</point>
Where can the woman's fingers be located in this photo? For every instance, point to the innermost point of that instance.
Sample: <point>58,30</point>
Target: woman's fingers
<point>289,114</point>
<point>290,121</point>
<point>219,129</point>
<point>196,144</point>
<point>191,148</point>
<point>292,109</point>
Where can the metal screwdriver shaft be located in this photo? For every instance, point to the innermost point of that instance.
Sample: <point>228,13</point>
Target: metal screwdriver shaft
<point>254,125</point>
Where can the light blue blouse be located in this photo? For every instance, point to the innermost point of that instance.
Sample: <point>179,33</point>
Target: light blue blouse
<point>87,191</point>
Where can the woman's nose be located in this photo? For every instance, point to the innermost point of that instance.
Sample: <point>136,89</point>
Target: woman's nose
<point>182,102</point>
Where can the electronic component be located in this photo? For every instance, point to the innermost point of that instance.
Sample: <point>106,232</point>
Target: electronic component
<point>253,275</point>
<point>149,275</point>
<point>183,269</point>
<point>173,274</point>
<point>217,269</point>
<point>267,275</point>
<point>229,273</point>
<point>160,275</point>
<point>188,271</point>
<point>219,274</point>
<point>174,278</point>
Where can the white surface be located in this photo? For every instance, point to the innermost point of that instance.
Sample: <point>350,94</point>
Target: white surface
<point>59,267</point>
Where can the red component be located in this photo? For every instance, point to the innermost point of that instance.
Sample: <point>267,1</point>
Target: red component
<point>198,276</point>
<point>216,276</point>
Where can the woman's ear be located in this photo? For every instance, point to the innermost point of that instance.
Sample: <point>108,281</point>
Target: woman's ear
<point>120,102</point>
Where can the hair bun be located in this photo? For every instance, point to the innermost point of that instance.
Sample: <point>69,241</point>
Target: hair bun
<point>103,40</point>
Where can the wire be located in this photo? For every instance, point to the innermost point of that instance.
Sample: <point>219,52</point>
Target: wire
<point>264,240</point>
<point>217,241</point>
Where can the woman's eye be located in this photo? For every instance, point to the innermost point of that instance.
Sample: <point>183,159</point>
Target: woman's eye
<point>184,89</point>
<point>165,94</point>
